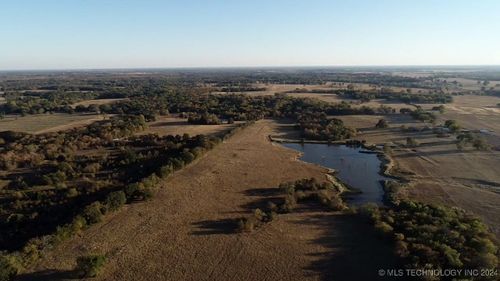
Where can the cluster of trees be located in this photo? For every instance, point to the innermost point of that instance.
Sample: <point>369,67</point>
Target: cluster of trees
<point>242,88</point>
<point>468,138</point>
<point>39,215</point>
<point>492,92</point>
<point>65,170</point>
<point>159,96</point>
<point>386,94</point>
<point>453,126</point>
<point>423,115</point>
<point>204,119</point>
<point>303,191</point>
<point>427,236</point>
<point>435,237</point>
<point>307,77</point>
<point>233,106</point>
<point>320,127</point>
<point>36,103</point>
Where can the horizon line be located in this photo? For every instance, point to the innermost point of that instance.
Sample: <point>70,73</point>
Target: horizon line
<point>76,69</point>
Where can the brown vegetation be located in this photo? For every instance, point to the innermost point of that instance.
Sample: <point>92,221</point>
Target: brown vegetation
<point>187,226</point>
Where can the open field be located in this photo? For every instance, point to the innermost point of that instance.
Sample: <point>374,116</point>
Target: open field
<point>272,89</point>
<point>96,102</point>
<point>186,228</point>
<point>184,207</point>
<point>439,172</point>
<point>474,113</point>
<point>44,123</point>
<point>165,125</point>
<point>472,85</point>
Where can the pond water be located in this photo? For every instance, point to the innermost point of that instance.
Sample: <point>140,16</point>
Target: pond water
<point>355,168</point>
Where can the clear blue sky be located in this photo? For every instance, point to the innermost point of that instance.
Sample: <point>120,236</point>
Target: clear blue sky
<point>47,34</point>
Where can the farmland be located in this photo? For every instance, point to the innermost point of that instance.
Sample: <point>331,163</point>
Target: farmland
<point>156,169</point>
<point>46,122</point>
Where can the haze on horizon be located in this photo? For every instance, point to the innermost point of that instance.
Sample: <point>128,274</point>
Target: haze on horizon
<point>155,34</point>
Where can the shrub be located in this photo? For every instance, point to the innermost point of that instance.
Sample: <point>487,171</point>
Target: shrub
<point>452,125</point>
<point>90,266</point>
<point>165,171</point>
<point>411,142</point>
<point>131,190</point>
<point>8,270</point>
<point>382,123</point>
<point>480,143</point>
<point>383,228</point>
<point>115,200</point>
<point>246,224</point>
<point>288,204</point>
<point>93,213</point>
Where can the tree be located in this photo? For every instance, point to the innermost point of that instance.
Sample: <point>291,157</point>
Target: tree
<point>439,108</point>
<point>7,270</point>
<point>115,200</point>
<point>382,123</point>
<point>411,142</point>
<point>480,143</point>
<point>93,213</point>
<point>452,125</point>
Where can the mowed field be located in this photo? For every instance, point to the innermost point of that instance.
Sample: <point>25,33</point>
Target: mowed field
<point>187,228</point>
<point>44,123</point>
<point>166,125</point>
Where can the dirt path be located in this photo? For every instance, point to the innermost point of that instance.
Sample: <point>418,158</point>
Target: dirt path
<point>184,233</point>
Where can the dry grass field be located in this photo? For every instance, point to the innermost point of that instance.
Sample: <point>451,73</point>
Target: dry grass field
<point>96,102</point>
<point>186,229</point>
<point>166,125</point>
<point>272,89</point>
<point>474,113</point>
<point>441,173</point>
<point>44,123</point>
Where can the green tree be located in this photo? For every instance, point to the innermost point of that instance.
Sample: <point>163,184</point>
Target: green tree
<point>115,200</point>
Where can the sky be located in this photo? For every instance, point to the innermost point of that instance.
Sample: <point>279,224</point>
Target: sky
<point>90,34</point>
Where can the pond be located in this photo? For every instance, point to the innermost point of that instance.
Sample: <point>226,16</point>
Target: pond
<point>355,168</point>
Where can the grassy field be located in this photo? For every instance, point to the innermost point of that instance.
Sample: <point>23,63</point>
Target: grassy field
<point>96,101</point>
<point>43,123</point>
<point>271,89</point>
<point>186,229</point>
<point>439,172</point>
<point>165,125</point>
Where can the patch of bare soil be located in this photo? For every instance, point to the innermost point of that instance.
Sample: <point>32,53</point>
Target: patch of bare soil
<point>186,231</point>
